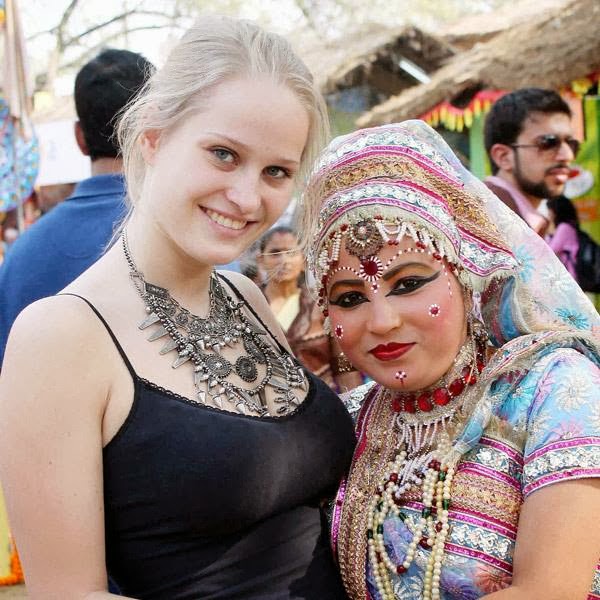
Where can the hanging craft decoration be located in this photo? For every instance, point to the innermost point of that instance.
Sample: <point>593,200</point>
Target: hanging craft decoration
<point>19,162</point>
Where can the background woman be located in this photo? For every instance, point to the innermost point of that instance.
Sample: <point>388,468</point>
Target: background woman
<point>296,310</point>
<point>477,462</point>
<point>164,428</point>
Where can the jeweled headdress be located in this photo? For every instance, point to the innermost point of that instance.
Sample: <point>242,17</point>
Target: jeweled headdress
<point>377,185</point>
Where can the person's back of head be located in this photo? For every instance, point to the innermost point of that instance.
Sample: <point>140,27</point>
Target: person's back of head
<point>103,87</point>
<point>505,120</point>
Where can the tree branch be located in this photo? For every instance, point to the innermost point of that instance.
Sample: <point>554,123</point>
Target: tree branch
<point>90,52</point>
<point>75,39</point>
<point>67,14</point>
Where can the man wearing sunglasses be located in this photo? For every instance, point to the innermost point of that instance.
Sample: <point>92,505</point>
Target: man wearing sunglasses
<point>529,140</point>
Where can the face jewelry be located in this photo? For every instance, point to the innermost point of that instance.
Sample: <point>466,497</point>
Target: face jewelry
<point>338,332</point>
<point>400,376</point>
<point>364,239</point>
<point>201,340</point>
<point>434,310</point>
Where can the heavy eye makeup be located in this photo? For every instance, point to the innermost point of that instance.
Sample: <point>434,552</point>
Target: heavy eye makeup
<point>411,283</point>
<point>401,286</point>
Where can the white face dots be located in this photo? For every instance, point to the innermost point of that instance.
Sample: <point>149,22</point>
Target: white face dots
<point>338,332</point>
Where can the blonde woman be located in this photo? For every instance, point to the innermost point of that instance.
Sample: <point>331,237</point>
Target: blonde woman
<point>153,418</point>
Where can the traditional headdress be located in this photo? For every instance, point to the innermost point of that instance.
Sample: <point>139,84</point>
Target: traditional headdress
<point>377,185</point>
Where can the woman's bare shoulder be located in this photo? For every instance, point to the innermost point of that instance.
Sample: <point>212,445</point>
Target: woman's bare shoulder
<point>64,315</point>
<point>245,286</point>
<point>53,335</point>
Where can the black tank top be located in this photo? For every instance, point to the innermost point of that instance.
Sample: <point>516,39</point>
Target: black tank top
<point>207,504</point>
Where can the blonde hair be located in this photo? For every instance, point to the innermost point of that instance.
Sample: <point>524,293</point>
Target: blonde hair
<point>214,50</point>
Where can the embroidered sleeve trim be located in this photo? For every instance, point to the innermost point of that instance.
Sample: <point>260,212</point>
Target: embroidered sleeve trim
<point>569,459</point>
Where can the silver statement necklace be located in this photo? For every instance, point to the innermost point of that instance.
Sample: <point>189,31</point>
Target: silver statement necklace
<point>200,341</point>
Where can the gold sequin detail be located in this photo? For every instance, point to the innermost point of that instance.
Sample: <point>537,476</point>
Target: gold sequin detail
<point>483,495</point>
<point>365,474</point>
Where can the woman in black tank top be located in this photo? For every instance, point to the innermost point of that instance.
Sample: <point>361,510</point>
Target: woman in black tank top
<point>206,480</point>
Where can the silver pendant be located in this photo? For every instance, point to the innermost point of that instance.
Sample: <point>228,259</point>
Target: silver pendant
<point>170,344</point>
<point>149,320</point>
<point>157,334</point>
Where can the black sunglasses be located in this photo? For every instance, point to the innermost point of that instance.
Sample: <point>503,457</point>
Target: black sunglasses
<point>551,142</point>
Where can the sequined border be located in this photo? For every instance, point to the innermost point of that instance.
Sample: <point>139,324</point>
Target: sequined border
<point>482,556</point>
<point>577,458</point>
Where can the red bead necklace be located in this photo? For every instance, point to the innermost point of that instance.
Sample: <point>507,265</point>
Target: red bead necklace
<point>427,400</point>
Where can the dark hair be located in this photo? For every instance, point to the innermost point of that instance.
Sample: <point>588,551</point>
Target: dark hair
<point>274,231</point>
<point>564,211</point>
<point>103,87</point>
<point>504,122</point>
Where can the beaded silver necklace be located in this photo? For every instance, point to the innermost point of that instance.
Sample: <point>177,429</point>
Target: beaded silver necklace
<point>200,341</point>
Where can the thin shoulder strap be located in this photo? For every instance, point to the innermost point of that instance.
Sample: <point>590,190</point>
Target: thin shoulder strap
<point>239,295</point>
<point>110,332</point>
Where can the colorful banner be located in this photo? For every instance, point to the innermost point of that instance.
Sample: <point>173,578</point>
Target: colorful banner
<point>456,118</point>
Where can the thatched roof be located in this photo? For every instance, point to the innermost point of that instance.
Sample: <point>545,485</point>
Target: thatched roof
<point>470,30</point>
<point>371,55</point>
<point>549,51</point>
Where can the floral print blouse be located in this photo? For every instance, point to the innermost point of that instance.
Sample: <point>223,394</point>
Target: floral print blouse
<point>556,409</point>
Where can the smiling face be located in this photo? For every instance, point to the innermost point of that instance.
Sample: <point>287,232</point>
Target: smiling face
<point>406,333</point>
<point>225,174</point>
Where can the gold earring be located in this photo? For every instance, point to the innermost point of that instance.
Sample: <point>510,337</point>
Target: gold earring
<point>344,365</point>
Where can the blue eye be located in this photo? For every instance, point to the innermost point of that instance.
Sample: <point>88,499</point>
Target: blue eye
<point>277,172</point>
<point>348,300</point>
<point>224,155</point>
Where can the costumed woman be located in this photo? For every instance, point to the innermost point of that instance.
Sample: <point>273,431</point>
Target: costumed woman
<point>282,262</point>
<point>154,422</point>
<point>478,444</point>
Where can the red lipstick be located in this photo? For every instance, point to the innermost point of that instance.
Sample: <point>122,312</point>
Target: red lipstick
<point>390,351</point>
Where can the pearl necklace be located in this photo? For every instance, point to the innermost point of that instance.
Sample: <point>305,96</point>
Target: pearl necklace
<point>431,529</point>
<point>420,463</point>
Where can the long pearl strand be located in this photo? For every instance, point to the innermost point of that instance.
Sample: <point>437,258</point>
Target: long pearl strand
<point>436,481</point>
